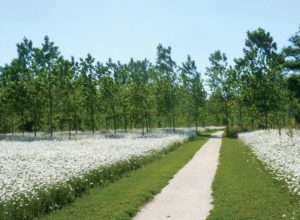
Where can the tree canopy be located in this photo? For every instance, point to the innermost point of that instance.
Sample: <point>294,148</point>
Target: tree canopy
<point>43,91</point>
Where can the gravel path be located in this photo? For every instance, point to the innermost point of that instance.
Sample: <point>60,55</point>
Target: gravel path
<point>188,196</point>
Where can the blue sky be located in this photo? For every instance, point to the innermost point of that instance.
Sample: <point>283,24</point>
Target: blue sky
<point>131,28</point>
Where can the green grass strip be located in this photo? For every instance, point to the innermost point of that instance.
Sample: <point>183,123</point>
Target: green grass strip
<point>122,199</point>
<point>244,189</point>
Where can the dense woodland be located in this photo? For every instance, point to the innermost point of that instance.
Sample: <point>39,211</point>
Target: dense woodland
<point>43,91</point>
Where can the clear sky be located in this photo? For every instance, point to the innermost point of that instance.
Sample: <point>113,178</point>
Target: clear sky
<point>133,28</point>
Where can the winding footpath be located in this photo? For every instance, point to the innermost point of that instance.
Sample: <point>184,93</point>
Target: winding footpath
<point>188,196</point>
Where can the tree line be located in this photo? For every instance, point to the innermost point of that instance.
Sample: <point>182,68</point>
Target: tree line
<point>43,91</point>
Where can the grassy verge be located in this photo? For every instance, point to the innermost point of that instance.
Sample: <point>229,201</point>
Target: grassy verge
<point>122,199</point>
<point>244,189</point>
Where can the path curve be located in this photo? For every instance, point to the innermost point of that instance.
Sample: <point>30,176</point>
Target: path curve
<point>188,196</point>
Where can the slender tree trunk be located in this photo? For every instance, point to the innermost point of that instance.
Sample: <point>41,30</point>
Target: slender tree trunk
<point>147,123</point>
<point>158,121</point>
<point>173,108</point>
<point>188,120</point>
<point>70,128</point>
<point>131,122</point>
<point>23,124</point>
<point>266,119</point>
<point>51,109</point>
<point>12,125</point>
<point>252,122</point>
<point>279,129</point>
<point>125,118</point>
<point>226,117</point>
<point>106,123</point>
<point>114,118</point>
<point>170,121</point>
<point>61,124</point>
<point>173,119</point>
<point>143,131</point>
<point>115,124</point>
<point>196,122</point>
<point>278,123</point>
<point>241,118</point>
<point>34,119</point>
<point>76,122</point>
<point>93,117</point>
<point>196,116</point>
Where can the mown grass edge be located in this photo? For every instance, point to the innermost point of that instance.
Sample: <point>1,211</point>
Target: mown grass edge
<point>244,188</point>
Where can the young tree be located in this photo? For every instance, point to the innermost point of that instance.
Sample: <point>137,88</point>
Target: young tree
<point>121,76</point>
<point>49,55</point>
<point>166,83</point>
<point>194,85</point>
<point>261,73</point>
<point>220,81</point>
<point>10,87</point>
<point>66,91</point>
<point>88,86</point>
<point>109,91</point>
<point>139,90</point>
<point>293,82</point>
<point>24,79</point>
<point>38,91</point>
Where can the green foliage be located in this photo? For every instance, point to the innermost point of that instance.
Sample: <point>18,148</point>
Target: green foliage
<point>233,132</point>
<point>293,83</point>
<point>254,93</point>
<point>220,81</point>
<point>192,90</point>
<point>292,53</point>
<point>43,91</point>
<point>166,83</point>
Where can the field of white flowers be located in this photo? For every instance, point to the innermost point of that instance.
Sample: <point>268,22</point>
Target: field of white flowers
<point>281,153</point>
<point>28,165</point>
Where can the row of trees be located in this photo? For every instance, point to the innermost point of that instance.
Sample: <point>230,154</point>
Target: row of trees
<point>42,91</point>
<point>262,89</point>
